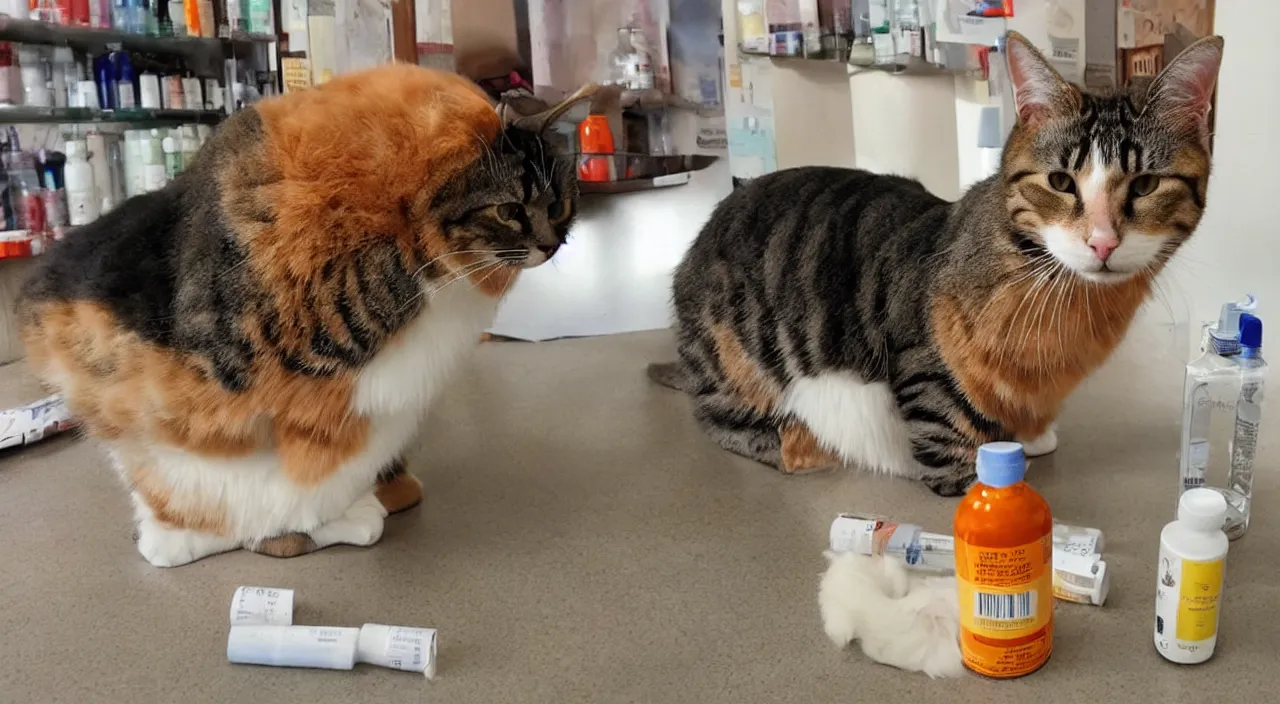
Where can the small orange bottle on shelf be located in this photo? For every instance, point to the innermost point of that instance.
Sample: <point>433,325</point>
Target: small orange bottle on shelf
<point>1004,568</point>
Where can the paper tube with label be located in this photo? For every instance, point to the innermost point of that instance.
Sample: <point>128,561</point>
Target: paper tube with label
<point>1079,573</point>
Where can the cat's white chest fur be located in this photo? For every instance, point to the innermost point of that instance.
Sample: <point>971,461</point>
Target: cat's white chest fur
<point>411,370</point>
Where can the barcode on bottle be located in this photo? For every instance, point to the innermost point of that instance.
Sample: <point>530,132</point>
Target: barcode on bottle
<point>1004,607</point>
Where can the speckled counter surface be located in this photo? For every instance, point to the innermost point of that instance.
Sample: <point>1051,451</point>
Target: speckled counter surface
<point>582,541</point>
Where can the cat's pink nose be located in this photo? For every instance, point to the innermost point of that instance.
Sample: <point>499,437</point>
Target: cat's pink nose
<point>1103,247</point>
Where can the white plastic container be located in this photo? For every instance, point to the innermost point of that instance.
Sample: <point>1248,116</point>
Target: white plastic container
<point>135,162</point>
<point>262,606</point>
<point>399,648</point>
<point>1193,555</point>
<point>324,647</point>
<point>82,194</point>
<point>149,91</point>
<point>99,161</point>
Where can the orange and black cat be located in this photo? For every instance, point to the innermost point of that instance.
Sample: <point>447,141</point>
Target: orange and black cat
<point>829,316</point>
<point>255,344</point>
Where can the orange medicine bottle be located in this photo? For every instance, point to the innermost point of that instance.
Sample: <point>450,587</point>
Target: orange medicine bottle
<point>1004,568</point>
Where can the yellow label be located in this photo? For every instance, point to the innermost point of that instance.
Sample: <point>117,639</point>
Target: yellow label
<point>1006,606</point>
<point>1198,599</point>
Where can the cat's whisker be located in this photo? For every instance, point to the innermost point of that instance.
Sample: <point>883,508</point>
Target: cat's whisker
<point>459,252</point>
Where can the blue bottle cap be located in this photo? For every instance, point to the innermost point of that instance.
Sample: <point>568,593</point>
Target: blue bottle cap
<point>1001,464</point>
<point>1250,335</point>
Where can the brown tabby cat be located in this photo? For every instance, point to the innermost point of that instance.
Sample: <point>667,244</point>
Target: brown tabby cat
<point>830,316</point>
<point>255,344</point>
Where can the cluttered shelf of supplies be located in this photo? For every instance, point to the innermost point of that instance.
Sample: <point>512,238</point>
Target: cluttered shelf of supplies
<point>128,93</point>
<point>88,38</point>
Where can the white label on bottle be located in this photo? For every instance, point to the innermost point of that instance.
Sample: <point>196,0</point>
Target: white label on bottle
<point>853,534</point>
<point>1081,544</point>
<point>154,177</point>
<point>82,206</point>
<point>125,96</point>
<point>1187,596</point>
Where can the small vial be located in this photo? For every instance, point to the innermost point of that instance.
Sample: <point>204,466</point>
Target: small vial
<point>262,606</point>
<point>1193,556</point>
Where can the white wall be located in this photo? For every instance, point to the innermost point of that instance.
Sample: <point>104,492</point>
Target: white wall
<point>1237,247</point>
<point>906,125</point>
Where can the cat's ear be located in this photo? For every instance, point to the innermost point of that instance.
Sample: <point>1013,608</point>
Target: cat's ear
<point>539,122</point>
<point>1182,94</point>
<point>1039,90</point>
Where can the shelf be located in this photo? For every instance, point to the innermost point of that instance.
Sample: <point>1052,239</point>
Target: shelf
<point>633,185</point>
<point>94,40</point>
<point>17,115</point>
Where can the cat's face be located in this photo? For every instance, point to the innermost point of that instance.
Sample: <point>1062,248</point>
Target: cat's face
<point>515,206</point>
<point>1109,185</point>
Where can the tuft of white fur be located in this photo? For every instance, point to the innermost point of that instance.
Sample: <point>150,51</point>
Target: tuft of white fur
<point>856,420</point>
<point>1043,445</point>
<point>392,391</point>
<point>910,622</point>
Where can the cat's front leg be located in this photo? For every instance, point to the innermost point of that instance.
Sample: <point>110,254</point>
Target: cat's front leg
<point>360,525</point>
<point>1045,443</point>
<point>166,545</point>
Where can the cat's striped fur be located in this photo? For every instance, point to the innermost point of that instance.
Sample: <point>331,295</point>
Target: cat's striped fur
<point>828,316</point>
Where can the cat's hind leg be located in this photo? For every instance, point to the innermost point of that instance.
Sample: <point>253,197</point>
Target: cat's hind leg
<point>739,428</point>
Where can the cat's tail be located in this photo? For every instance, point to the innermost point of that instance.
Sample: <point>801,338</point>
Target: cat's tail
<point>671,375</point>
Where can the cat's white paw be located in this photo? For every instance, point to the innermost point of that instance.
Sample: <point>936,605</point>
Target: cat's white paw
<point>1043,445</point>
<point>360,525</point>
<point>169,547</point>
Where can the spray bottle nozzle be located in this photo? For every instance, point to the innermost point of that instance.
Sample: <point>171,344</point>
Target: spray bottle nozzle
<point>1224,336</point>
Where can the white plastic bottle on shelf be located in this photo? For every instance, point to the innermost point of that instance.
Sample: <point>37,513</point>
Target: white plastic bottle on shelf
<point>1193,555</point>
<point>82,194</point>
<point>153,173</point>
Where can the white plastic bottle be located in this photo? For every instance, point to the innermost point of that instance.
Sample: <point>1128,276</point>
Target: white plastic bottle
<point>1193,555</point>
<point>82,194</point>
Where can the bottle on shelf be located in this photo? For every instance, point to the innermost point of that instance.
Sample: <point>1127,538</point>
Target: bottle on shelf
<point>83,200</point>
<point>172,157</point>
<point>53,191</point>
<point>190,145</point>
<point>78,13</point>
<point>122,68</point>
<point>208,23</point>
<point>177,17</point>
<point>154,176</point>
<point>35,68</point>
<point>9,75</point>
<point>24,188</point>
<point>65,77</point>
<point>104,75</point>
<point>99,147</point>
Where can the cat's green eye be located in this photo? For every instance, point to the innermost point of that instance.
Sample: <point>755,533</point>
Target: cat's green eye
<point>559,211</point>
<point>1062,182</point>
<point>509,212</point>
<point>1145,185</point>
